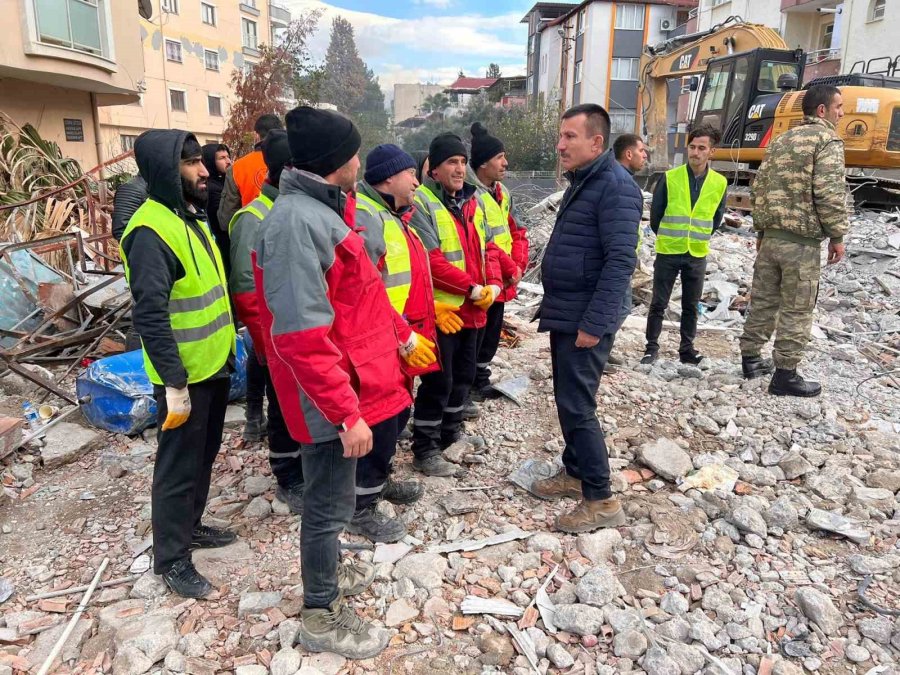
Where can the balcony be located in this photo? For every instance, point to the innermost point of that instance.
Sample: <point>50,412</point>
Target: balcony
<point>822,63</point>
<point>807,5</point>
<point>279,14</point>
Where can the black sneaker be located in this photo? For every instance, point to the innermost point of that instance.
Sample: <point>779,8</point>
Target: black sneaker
<point>402,492</point>
<point>649,357</point>
<point>255,427</point>
<point>376,526</point>
<point>292,496</point>
<point>183,579</point>
<point>691,358</point>
<point>205,536</point>
<point>470,411</point>
<point>435,466</point>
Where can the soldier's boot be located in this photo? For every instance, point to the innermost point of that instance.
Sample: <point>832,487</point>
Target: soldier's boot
<point>789,383</point>
<point>592,514</point>
<point>756,366</point>
<point>376,526</point>
<point>355,577</point>
<point>556,487</point>
<point>338,629</point>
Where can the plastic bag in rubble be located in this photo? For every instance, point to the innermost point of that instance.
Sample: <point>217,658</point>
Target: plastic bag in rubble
<point>534,469</point>
<point>513,388</point>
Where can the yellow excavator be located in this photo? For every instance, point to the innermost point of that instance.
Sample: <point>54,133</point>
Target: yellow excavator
<point>750,92</point>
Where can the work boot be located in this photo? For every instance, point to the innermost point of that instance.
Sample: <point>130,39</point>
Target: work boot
<point>338,629</point>
<point>435,466</point>
<point>292,496</point>
<point>789,383</point>
<point>183,579</point>
<point>590,515</point>
<point>405,434</point>
<point>355,577</point>
<point>756,366</point>
<point>558,486</point>
<point>205,536</point>
<point>402,492</point>
<point>471,411</point>
<point>691,358</point>
<point>255,426</point>
<point>487,392</point>
<point>649,357</point>
<point>615,360</point>
<point>376,526</point>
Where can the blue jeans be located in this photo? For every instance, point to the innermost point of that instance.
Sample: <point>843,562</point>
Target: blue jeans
<point>328,503</point>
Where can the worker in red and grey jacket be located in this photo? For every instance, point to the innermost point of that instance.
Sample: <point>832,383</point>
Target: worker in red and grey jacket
<point>334,358</point>
<point>466,277</point>
<point>507,239</point>
<point>284,451</point>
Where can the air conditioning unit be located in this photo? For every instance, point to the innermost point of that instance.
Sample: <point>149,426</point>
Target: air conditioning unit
<point>666,25</point>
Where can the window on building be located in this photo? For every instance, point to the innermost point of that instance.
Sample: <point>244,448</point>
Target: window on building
<point>128,142</point>
<point>76,24</point>
<point>170,6</point>
<point>624,69</point>
<point>582,20</point>
<point>622,121</point>
<point>178,100</point>
<point>173,51</point>
<point>215,105</point>
<point>716,3</point>
<point>827,34</point>
<point>208,14</point>
<point>877,9</point>
<point>630,17</point>
<point>248,33</point>
<point>249,3</point>
<point>211,59</point>
<point>578,71</point>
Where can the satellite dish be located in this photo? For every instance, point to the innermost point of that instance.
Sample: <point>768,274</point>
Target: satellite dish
<point>145,9</point>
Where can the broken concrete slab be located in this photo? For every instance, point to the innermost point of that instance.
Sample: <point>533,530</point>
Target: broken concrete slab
<point>66,443</point>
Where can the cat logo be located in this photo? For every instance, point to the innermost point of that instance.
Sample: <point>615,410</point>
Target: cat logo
<point>685,61</point>
<point>756,111</point>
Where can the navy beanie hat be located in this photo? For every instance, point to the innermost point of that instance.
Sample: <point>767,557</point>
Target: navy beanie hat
<point>385,161</point>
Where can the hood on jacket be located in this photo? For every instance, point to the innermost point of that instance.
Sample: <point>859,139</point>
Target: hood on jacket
<point>158,156</point>
<point>208,154</point>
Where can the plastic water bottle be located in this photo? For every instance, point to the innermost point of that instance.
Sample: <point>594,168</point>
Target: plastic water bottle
<point>32,416</point>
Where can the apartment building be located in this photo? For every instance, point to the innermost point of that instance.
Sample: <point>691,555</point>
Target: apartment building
<point>190,49</point>
<point>408,99</point>
<point>590,53</point>
<point>63,62</point>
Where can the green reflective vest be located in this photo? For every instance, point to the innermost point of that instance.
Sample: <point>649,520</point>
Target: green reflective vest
<point>451,246</point>
<point>259,207</point>
<point>397,270</point>
<point>684,229</point>
<point>497,218</point>
<point>199,310</point>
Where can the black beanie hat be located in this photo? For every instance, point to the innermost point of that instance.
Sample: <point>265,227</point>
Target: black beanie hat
<point>276,153</point>
<point>443,147</point>
<point>484,146</point>
<point>384,161</point>
<point>321,141</point>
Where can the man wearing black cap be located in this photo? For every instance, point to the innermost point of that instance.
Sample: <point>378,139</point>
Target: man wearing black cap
<point>465,275</point>
<point>505,236</point>
<point>284,451</point>
<point>334,360</point>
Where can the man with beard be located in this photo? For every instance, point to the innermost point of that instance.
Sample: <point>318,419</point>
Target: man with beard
<point>183,317</point>
<point>217,159</point>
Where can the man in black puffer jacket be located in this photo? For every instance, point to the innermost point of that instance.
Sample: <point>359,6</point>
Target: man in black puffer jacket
<point>586,271</point>
<point>217,158</point>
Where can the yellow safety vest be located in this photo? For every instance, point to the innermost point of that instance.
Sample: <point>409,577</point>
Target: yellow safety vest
<point>451,246</point>
<point>259,207</point>
<point>684,229</point>
<point>497,217</point>
<point>199,310</point>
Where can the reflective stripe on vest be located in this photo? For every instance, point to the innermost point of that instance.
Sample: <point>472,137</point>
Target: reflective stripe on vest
<point>684,229</point>
<point>451,246</point>
<point>497,218</point>
<point>397,271</point>
<point>199,310</point>
<point>259,207</point>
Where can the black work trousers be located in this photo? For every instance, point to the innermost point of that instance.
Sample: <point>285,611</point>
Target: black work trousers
<point>576,377</point>
<point>256,381</point>
<point>488,342</point>
<point>181,474</point>
<point>372,470</point>
<point>437,416</point>
<point>284,451</point>
<point>666,269</point>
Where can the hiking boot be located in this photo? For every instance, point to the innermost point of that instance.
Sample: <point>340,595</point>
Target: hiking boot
<point>649,357</point>
<point>790,383</point>
<point>484,393</point>
<point>690,358</point>
<point>338,629</point>
<point>255,426</point>
<point>205,536</point>
<point>355,577</point>
<point>183,579</point>
<point>402,492</point>
<point>590,515</point>
<point>756,366</point>
<point>559,486</point>
<point>614,360</point>
<point>470,411</point>
<point>435,466</point>
<point>292,496</point>
<point>376,526</point>
<point>405,434</point>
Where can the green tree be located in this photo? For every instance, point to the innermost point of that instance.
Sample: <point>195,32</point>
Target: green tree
<point>493,71</point>
<point>344,79</point>
<point>438,102</point>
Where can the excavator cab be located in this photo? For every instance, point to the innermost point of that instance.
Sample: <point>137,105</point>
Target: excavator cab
<point>741,93</point>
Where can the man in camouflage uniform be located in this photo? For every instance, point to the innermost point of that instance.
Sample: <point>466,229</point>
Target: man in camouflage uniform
<point>799,199</point>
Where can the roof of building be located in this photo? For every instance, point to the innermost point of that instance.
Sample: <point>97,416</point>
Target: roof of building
<point>574,9</point>
<point>463,84</point>
<point>547,5</point>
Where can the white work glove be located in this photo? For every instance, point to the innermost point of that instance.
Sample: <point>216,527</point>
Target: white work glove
<point>495,290</point>
<point>476,292</point>
<point>178,403</point>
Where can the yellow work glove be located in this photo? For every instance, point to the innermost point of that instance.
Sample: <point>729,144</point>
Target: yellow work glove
<point>488,295</point>
<point>178,407</point>
<point>447,319</point>
<point>418,351</point>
